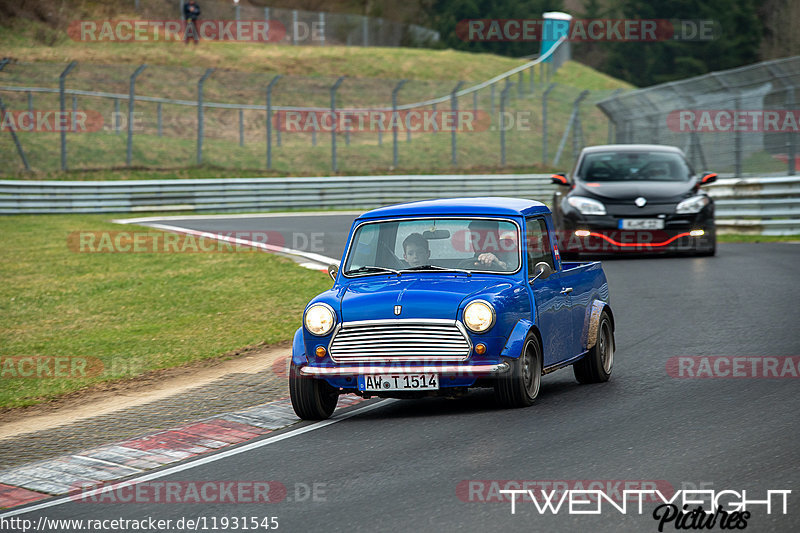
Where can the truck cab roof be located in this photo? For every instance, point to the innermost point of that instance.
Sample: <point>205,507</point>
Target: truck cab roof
<point>486,205</point>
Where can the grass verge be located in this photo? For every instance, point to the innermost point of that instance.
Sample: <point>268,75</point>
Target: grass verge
<point>744,237</point>
<point>120,315</point>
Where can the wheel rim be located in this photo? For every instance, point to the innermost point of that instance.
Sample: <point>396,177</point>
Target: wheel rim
<point>531,375</point>
<point>606,347</point>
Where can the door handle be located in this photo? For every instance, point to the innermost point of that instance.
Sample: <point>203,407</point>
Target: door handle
<point>566,290</point>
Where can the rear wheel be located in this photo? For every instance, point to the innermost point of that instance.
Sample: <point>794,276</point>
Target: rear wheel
<point>520,386</point>
<point>312,399</point>
<point>596,366</point>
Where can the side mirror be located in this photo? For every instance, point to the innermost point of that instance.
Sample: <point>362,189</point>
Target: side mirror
<point>707,178</point>
<point>559,179</point>
<point>332,271</point>
<point>542,270</point>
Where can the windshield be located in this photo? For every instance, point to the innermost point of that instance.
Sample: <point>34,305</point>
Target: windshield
<point>434,244</point>
<point>625,166</point>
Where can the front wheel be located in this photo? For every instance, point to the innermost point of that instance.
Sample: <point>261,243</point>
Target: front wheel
<point>312,399</point>
<point>520,386</point>
<point>595,367</point>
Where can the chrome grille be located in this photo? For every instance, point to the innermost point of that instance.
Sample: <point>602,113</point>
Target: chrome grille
<point>403,339</point>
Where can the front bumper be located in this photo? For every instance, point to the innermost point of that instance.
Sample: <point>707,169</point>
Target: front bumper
<point>602,234</point>
<point>459,370</point>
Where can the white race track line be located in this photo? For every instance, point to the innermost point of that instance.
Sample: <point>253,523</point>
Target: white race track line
<point>323,259</point>
<point>145,220</point>
<point>195,463</point>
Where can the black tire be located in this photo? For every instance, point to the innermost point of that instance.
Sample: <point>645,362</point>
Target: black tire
<point>596,366</point>
<point>712,249</point>
<point>312,399</point>
<point>520,386</point>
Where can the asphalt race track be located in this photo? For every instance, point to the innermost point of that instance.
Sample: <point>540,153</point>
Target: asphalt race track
<point>407,465</point>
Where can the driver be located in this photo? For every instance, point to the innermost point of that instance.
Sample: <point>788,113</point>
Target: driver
<point>489,253</point>
<point>416,251</point>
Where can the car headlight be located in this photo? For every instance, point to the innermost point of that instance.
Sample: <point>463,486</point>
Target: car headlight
<point>695,204</point>
<point>479,316</point>
<point>319,319</point>
<point>586,206</point>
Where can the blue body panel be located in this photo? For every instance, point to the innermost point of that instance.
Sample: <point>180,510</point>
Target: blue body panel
<point>563,320</point>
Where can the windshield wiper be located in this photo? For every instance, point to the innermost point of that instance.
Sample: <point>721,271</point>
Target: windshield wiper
<point>438,268</point>
<point>372,268</point>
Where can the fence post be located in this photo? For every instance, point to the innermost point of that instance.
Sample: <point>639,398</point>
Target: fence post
<point>73,121</point>
<point>454,109</point>
<point>491,100</point>
<point>241,127</point>
<point>395,118</point>
<point>574,122</point>
<point>791,136</point>
<point>20,151</point>
<point>236,8</point>
<point>269,120</point>
<point>475,102</point>
<point>544,122</point>
<point>532,70</point>
<point>30,103</point>
<point>294,26</point>
<point>129,151</point>
<point>334,88</point>
<point>520,84</point>
<point>502,122</point>
<point>577,131</point>
<point>365,30</point>
<point>654,123</point>
<point>322,28</point>
<point>612,124</point>
<point>158,113</point>
<point>738,140</point>
<point>200,115</point>
<point>116,116</point>
<point>63,109</point>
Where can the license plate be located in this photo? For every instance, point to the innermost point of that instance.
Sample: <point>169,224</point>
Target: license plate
<point>641,223</point>
<point>394,382</point>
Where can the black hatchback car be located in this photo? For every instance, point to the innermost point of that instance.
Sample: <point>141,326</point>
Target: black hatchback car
<point>634,198</point>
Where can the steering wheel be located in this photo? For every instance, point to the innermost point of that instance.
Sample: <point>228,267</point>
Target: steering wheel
<point>472,263</point>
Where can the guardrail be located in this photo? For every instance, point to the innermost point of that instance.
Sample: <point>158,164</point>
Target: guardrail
<point>31,197</point>
<point>769,206</point>
<point>766,206</point>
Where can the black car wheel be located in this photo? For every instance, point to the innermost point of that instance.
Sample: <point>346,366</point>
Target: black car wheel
<point>596,366</point>
<point>312,399</point>
<point>520,386</point>
<point>711,246</point>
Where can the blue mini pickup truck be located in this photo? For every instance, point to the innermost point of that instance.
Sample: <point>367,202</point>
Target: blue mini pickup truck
<point>438,296</point>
